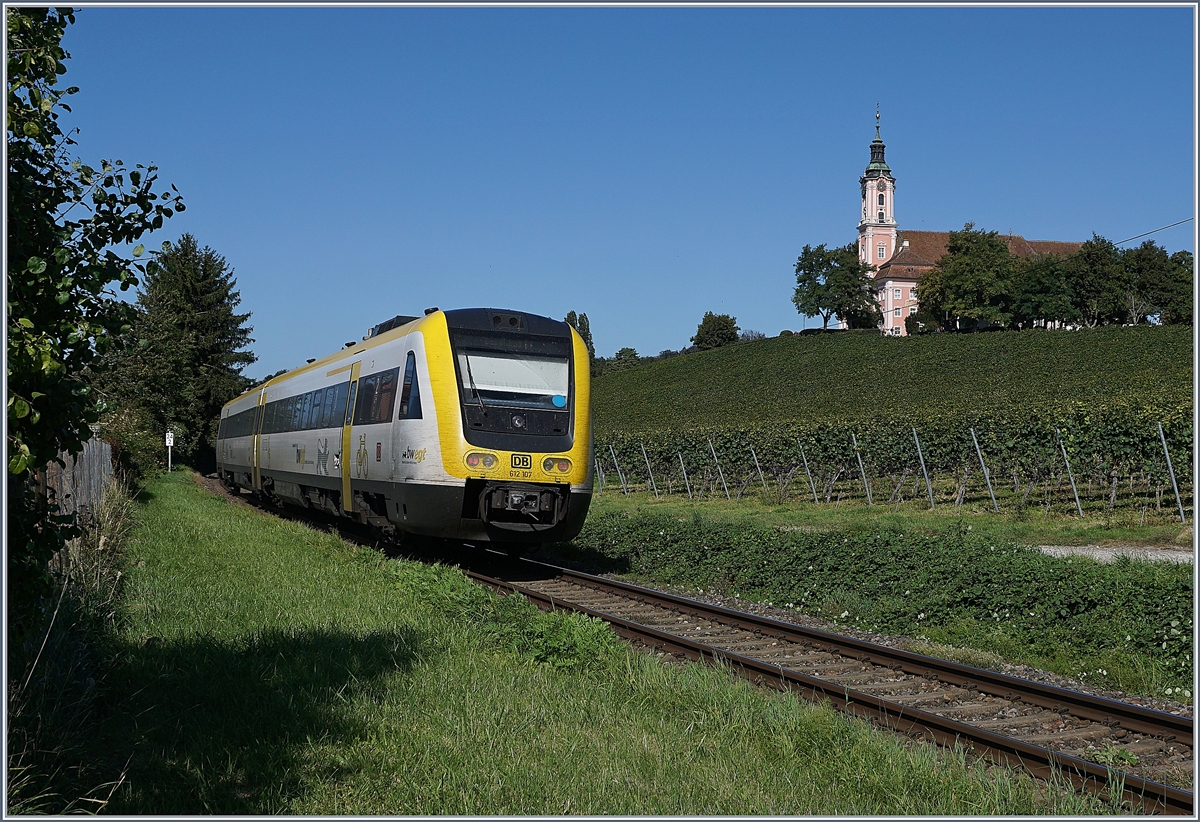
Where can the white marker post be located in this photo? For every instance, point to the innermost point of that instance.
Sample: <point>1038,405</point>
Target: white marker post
<point>170,442</point>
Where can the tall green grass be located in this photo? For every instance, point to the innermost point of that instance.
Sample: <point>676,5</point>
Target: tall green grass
<point>260,666</point>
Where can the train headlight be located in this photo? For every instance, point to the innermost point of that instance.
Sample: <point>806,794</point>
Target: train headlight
<point>518,420</point>
<point>476,459</point>
<point>552,463</point>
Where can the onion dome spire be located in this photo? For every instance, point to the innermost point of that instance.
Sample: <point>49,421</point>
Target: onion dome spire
<point>878,166</point>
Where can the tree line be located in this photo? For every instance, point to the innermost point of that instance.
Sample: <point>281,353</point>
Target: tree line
<point>980,284</point>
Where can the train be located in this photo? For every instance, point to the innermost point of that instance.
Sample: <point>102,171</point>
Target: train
<point>469,424</point>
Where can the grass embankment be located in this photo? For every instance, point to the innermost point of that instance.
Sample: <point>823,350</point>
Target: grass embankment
<point>840,377</point>
<point>952,581</point>
<point>264,667</point>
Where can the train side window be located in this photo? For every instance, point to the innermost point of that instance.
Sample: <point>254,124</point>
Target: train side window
<point>221,428</point>
<point>366,394</point>
<point>350,401</point>
<point>376,397</point>
<point>306,411</point>
<point>337,412</point>
<point>327,407</point>
<point>297,405</point>
<point>312,401</point>
<point>410,396</point>
<point>385,396</point>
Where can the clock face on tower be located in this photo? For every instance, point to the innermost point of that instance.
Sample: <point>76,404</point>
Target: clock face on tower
<point>881,185</point>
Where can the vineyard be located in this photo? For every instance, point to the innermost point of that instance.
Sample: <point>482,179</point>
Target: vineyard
<point>1066,421</point>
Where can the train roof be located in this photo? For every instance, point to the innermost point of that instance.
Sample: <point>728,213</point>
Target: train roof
<point>479,319</point>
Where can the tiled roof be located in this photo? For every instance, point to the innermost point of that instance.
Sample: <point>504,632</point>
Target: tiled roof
<point>1058,247</point>
<point>925,248</point>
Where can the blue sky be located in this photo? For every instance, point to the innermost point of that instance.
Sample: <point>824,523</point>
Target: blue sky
<point>642,165</point>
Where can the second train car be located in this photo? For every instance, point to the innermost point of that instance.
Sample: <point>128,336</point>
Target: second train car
<point>470,424</point>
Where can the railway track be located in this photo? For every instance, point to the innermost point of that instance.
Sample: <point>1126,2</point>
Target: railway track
<point>1099,744</point>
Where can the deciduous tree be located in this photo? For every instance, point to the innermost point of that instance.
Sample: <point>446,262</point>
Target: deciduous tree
<point>67,225</point>
<point>1098,282</point>
<point>715,330</point>
<point>834,282</point>
<point>975,278</point>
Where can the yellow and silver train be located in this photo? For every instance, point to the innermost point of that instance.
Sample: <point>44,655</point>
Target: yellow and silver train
<point>470,424</point>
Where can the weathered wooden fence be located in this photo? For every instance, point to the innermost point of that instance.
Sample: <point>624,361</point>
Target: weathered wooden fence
<point>79,483</point>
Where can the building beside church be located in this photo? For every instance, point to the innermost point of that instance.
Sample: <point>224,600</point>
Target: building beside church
<point>901,257</point>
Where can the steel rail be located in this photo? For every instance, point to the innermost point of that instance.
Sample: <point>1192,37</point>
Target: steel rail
<point>1086,706</point>
<point>1149,796</point>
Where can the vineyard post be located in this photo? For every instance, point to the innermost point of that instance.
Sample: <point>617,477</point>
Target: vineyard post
<point>719,471</point>
<point>620,474</point>
<point>861,470</point>
<point>760,473</point>
<point>1171,471</point>
<point>685,479</point>
<point>986,477</point>
<point>808,473</point>
<point>921,457</point>
<point>1071,476</point>
<point>600,477</point>
<point>651,473</point>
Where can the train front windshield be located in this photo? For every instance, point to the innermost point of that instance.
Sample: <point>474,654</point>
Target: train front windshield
<point>514,380</point>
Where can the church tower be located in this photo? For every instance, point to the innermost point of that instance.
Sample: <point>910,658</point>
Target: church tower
<point>877,229</point>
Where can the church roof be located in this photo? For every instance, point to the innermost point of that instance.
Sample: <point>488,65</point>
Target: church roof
<point>925,248</point>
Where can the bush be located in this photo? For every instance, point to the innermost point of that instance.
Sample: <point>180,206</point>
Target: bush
<point>136,441</point>
<point>895,582</point>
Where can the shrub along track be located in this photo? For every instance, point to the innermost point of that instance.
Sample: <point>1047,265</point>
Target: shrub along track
<point>1038,727</point>
<point>1041,728</point>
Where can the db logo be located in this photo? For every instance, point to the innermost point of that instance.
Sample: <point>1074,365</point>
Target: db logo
<point>524,461</point>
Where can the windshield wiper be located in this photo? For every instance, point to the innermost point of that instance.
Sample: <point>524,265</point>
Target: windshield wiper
<point>474,388</point>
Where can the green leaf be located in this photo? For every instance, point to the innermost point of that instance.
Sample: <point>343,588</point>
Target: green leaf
<point>31,129</point>
<point>139,250</point>
<point>17,463</point>
<point>19,407</point>
<point>36,265</point>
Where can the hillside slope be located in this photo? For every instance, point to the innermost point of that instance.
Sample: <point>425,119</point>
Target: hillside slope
<point>848,376</point>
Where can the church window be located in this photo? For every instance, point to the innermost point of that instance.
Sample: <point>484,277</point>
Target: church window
<point>882,247</point>
<point>912,292</point>
<point>881,199</point>
<point>912,309</point>
<point>896,312</point>
<point>881,216</point>
<point>897,294</point>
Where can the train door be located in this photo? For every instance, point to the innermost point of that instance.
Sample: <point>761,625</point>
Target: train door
<point>347,496</point>
<point>404,433</point>
<point>254,439</point>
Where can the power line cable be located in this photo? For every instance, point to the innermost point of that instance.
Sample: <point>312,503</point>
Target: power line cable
<point>1148,233</point>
